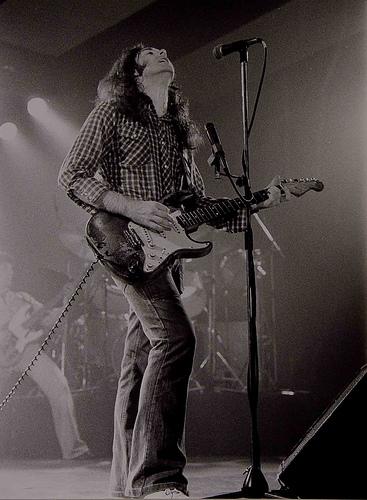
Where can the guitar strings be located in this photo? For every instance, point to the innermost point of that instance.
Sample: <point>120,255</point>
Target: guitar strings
<point>58,322</point>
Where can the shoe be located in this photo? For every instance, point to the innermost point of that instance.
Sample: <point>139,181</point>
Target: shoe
<point>87,455</point>
<point>167,494</point>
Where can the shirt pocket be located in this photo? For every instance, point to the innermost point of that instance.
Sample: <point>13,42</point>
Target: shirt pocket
<point>136,172</point>
<point>134,145</point>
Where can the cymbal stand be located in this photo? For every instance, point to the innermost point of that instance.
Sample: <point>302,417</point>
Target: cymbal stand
<point>75,374</point>
<point>66,365</point>
<point>104,314</point>
<point>273,377</point>
<point>66,330</point>
<point>273,324</point>
<point>265,323</point>
<point>220,381</point>
<point>194,384</point>
<point>63,347</point>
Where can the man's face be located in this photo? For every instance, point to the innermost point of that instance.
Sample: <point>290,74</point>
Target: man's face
<point>6,276</point>
<point>154,61</point>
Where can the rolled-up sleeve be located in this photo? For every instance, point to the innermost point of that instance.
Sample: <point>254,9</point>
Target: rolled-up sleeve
<point>78,171</point>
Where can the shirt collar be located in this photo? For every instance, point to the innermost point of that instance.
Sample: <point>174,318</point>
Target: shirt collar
<point>149,107</point>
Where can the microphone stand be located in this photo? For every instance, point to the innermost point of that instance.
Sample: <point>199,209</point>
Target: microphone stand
<point>255,484</point>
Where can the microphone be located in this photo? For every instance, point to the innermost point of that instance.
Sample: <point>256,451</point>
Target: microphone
<point>214,139</point>
<point>218,153</point>
<point>223,50</point>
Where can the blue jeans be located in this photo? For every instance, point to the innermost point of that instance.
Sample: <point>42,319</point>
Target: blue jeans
<point>150,408</point>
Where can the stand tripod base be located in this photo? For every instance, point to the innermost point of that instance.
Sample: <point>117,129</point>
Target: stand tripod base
<point>241,494</point>
<point>254,486</point>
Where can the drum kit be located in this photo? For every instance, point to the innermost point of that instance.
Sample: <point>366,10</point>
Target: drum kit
<point>91,349</point>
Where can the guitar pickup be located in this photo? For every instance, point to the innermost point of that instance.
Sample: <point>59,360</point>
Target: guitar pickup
<point>133,238</point>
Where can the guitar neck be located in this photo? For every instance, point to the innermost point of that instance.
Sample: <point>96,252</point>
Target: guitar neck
<point>217,210</point>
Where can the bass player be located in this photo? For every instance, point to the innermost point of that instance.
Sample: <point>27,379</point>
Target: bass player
<point>17,349</point>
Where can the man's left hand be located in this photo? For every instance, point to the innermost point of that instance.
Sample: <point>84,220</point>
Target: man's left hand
<point>277,194</point>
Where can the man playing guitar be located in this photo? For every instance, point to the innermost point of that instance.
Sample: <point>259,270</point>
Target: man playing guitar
<point>135,149</point>
<point>17,348</point>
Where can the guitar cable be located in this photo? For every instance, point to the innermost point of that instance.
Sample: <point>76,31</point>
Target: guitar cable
<point>43,346</point>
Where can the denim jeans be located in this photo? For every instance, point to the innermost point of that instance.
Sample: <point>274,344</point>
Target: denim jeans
<point>150,408</point>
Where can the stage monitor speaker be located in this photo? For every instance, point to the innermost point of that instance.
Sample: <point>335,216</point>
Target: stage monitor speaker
<point>330,461</point>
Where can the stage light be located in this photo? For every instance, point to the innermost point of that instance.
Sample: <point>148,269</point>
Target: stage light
<point>51,123</point>
<point>37,107</point>
<point>8,131</point>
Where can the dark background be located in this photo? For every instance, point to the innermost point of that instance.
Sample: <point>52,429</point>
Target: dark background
<point>311,121</point>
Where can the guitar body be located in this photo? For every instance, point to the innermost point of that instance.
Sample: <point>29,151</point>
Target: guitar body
<point>135,253</point>
<point>18,322</point>
<point>9,355</point>
<point>16,337</point>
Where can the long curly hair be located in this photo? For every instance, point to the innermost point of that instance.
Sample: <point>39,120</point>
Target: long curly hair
<point>121,88</point>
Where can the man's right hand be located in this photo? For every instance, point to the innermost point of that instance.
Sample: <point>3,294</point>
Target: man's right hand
<point>150,214</point>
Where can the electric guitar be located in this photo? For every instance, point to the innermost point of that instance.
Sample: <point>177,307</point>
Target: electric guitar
<point>19,327</point>
<point>24,328</point>
<point>16,337</point>
<point>138,254</point>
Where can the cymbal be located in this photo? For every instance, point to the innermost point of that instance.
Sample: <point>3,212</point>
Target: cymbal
<point>77,244</point>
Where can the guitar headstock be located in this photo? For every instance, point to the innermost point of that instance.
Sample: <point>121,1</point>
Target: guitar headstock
<point>299,187</point>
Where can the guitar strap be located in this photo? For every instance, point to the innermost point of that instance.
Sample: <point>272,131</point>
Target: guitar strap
<point>57,324</point>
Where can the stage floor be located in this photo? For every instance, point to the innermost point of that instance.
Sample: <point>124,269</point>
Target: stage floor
<point>41,479</point>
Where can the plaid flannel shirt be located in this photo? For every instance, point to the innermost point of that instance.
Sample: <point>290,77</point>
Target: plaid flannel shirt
<point>113,152</point>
